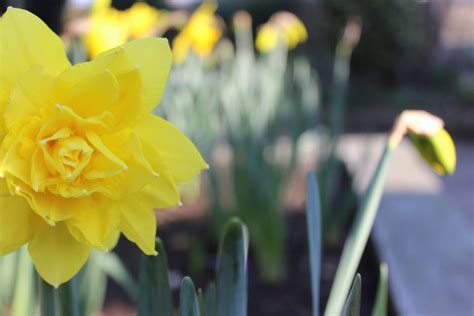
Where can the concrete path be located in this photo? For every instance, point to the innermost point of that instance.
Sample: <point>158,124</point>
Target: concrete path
<point>425,226</point>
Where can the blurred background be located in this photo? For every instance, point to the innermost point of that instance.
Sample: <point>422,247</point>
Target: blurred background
<point>269,89</point>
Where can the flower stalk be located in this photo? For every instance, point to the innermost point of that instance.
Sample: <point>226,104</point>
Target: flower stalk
<point>420,123</point>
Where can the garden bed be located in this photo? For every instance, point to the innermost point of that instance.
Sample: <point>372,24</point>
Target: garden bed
<point>291,296</point>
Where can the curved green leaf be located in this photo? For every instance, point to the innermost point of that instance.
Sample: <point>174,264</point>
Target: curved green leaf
<point>154,290</point>
<point>188,300</point>
<point>232,270</point>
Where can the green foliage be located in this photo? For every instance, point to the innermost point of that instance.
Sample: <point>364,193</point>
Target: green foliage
<point>232,270</point>
<point>209,307</point>
<point>24,286</point>
<point>93,280</point>
<point>381,299</point>
<point>83,295</point>
<point>229,297</point>
<point>154,290</point>
<point>352,305</point>
<point>247,102</point>
<point>93,286</point>
<point>358,236</point>
<point>188,301</point>
<point>68,299</point>
<point>47,297</point>
<point>313,219</point>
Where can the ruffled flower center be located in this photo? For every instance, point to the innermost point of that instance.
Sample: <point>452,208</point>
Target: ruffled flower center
<point>62,153</point>
<point>67,155</point>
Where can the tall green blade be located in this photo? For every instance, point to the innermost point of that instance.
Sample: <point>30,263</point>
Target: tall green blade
<point>381,299</point>
<point>154,288</point>
<point>188,300</point>
<point>114,268</point>
<point>93,285</point>
<point>8,268</point>
<point>68,298</point>
<point>358,236</point>
<point>352,305</point>
<point>313,220</point>
<point>47,298</point>
<point>232,270</point>
<point>210,301</point>
<point>24,286</point>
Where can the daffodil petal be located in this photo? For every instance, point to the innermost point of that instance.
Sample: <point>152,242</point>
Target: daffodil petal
<point>107,163</point>
<point>94,220</point>
<point>56,255</point>
<point>18,221</point>
<point>26,41</point>
<point>152,56</point>
<point>164,192</point>
<point>178,153</point>
<point>139,221</point>
<point>16,157</point>
<point>32,93</point>
<point>139,172</point>
<point>52,208</point>
<point>112,240</point>
<point>163,188</point>
<point>119,64</point>
<point>94,96</point>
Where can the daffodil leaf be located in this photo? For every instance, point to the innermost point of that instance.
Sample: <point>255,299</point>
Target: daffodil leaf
<point>313,213</point>
<point>47,299</point>
<point>68,299</point>
<point>232,270</point>
<point>154,290</point>
<point>381,299</point>
<point>210,301</point>
<point>352,306</point>
<point>188,300</point>
<point>24,286</point>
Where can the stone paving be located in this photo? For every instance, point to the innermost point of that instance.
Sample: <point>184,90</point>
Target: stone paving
<point>425,226</point>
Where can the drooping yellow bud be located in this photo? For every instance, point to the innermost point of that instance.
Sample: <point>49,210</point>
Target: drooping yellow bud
<point>437,150</point>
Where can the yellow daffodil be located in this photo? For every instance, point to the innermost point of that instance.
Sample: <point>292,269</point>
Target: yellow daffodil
<point>106,30</point>
<point>429,137</point>
<point>110,27</point>
<point>283,27</point>
<point>142,19</point>
<point>437,150</point>
<point>268,37</point>
<point>82,158</point>
<point>200,34</point>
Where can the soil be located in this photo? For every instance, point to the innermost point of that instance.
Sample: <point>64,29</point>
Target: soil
<point>289,297</point>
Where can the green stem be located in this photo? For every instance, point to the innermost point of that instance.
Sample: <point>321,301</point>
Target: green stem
<point>47,298</point>
<point>24,285</point>
<point>68,298</point>
<point>313,213</point>
<point>358,236</point>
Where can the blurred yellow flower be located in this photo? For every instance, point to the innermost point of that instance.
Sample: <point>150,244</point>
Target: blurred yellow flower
<point>106,30</point>
<point>110,27</point>
<point>283,27</point>
<point>82,158</point>
<point>268,37</point>
<point>437,150</point>
<point>142,19</point>
<point>200,34</point>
